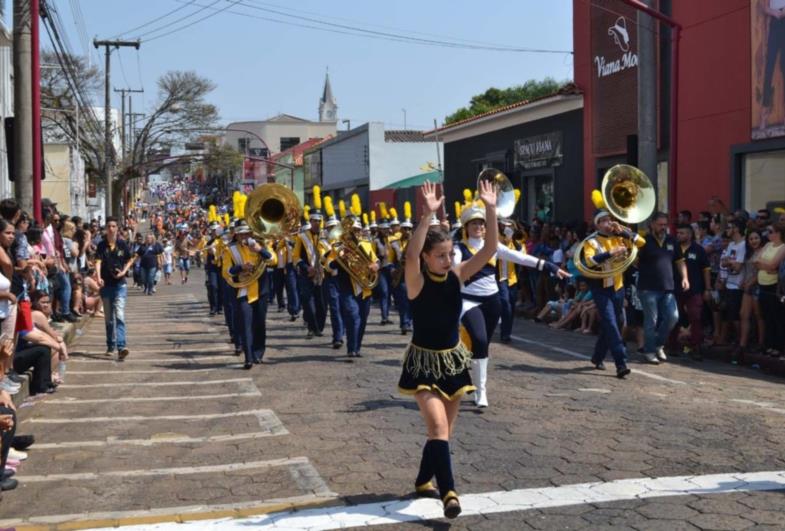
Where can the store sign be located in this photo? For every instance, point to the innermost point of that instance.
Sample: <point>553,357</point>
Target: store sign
<point>623,58</point>
<point>539,151</point>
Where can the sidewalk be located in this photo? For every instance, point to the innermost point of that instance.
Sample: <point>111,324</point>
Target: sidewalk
<point>70,332</point>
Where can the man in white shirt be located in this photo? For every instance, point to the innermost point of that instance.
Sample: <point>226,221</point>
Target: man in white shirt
<point>731,273</point>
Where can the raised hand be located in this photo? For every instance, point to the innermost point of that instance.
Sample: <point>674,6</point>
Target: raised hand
<point>488,193</point>
<point>429,195</point>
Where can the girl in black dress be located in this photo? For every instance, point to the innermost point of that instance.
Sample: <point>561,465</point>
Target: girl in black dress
<point>436,363</point>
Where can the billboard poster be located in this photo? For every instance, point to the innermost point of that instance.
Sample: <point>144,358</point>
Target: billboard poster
<point>767,19</point>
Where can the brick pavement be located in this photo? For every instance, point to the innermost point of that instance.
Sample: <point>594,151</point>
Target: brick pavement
<point>552,422</point>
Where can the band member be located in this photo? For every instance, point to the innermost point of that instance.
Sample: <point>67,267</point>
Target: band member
<point>436,364</point>
<point>229,294</point>
<point>290,282</point>
<point>212,269</point>
<point>331,290</point>
<point>383,251</point>
<point>242,257</point>
<point>307,259</point>
<point>279,275</point>
<point>608,292</point>
<point>397,243</point>
<point>355,298</point>
<point>507,280</point>
<point>481,301</point>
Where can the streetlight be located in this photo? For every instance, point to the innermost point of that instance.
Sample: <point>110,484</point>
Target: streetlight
<point>347,123</point>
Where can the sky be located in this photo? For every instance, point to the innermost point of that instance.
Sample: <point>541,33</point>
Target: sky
<point>262,68</point>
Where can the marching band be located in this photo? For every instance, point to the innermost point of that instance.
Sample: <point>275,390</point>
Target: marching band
<point>450,285</point>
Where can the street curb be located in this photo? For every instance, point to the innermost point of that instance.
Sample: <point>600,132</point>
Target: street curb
<point>180,518</point>
<point>69,332</point>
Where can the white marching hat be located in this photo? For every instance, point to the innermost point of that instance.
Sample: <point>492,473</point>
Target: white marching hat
<point>471,213</point>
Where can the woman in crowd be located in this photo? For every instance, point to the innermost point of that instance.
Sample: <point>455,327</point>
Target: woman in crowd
<point>7,307</point>
<point>769,264</point>
<point>749,304</point>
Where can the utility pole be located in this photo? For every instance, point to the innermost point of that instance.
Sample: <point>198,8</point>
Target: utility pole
<point>123,133</point>
<point>647,97</point>
<point>23,112</point>
<point>108,166</point>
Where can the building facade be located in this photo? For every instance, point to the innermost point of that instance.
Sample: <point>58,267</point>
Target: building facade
<point>6,107</point>
<point>277,134</point>
<point>538,144</point>
<point>367,160</point>
<point>730,100</point>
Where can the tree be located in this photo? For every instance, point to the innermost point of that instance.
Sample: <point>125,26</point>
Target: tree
<point>493,98</point>
<point>181,106</point>
<point>222,160</point>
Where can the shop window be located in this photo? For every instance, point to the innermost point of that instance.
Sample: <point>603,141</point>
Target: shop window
<point>762,180</point>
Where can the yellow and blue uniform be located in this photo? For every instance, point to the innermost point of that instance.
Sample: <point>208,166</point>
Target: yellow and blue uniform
<point>332,296</point>
<point>307,254</point>
<point>355,299</point>
<point>507,278</point>
<point>397,245</point>
<point>608,296</point>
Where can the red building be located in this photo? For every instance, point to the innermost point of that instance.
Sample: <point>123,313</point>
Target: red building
<point>731,107</point>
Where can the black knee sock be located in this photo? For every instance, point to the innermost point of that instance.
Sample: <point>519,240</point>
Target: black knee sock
<point>442,464</point>
<point>426,466</point>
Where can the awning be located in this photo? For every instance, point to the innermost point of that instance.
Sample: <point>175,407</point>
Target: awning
<point>435,176</point>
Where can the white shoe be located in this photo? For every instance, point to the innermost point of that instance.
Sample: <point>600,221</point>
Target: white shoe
<point>10,386</point>
<point>19,455</point>
<point>481,396</point>
<point>661,354</point>
<point>651,358</point>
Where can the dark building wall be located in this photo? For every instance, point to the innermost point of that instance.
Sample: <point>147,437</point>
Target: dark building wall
<point>463,160</point>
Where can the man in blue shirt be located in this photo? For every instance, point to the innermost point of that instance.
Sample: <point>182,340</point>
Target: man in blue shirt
<point>657,260</point>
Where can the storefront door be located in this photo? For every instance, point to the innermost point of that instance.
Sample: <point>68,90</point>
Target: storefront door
<point>539,196</point>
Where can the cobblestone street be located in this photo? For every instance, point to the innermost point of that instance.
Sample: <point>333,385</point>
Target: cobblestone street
<point>179,429</point>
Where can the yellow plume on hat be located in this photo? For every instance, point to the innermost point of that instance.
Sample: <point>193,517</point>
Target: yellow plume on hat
<point>329,209</point>
<point>596,198</point>
<point>373,216</point>
<point>306,212</point>
<point>236,203</point>
<point>393,213</point>
<point>357,207</point>
<point>365,219</point>
<point>226,219</point>
<point>212,214</point>
<point>467,196</point>
<point>458,210</point>
<point>239,211</point>
<point>383,210</point>
<point>407,210</point>
<point>517,193</point>
<point>342,208</point>
<point>317,197</point>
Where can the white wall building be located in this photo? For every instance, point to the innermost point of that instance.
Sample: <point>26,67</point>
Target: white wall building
<point>6,103</point>
<point>368,158</point>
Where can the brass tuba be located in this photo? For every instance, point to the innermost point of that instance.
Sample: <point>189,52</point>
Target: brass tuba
<point>505,194</point>
<point>350,255</point>
<point>271,211</point>
<point>629,197</point>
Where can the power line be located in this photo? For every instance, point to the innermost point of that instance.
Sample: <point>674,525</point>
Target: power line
<point>209,15</point>
<point>359,32</point>
<point>419,40</point>
<point>122,68</point>
<point>156,19</point>
<point>177,21</point>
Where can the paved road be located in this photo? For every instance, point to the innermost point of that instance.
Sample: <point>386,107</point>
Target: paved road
<point>180,428</point>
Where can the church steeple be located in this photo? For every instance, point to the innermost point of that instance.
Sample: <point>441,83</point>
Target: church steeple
<point>328,109</point>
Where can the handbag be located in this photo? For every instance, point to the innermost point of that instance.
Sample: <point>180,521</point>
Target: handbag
<point>24,316</point>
